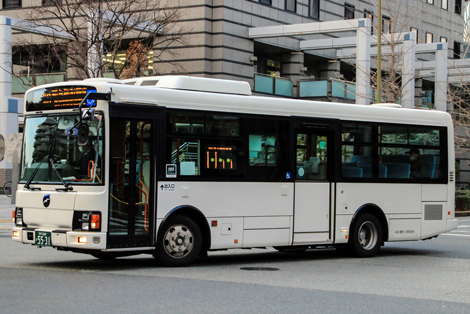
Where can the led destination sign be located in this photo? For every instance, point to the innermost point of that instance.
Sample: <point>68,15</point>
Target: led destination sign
<point>64,97</point>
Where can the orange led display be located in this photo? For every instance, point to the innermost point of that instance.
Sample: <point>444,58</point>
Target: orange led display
<point>219,157</point>
<point>56,98</point>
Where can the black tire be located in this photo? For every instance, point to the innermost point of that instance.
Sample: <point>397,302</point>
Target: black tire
<point>366,236</point>
<point>179,242</point>
<point>7,189</point>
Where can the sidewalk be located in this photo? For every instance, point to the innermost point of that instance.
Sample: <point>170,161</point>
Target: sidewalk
<point>5,213</point>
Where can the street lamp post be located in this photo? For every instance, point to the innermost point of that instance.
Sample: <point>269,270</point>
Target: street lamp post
<point>379,54</point>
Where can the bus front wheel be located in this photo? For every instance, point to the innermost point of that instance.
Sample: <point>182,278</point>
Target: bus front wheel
<point>366,237</point>
<point>180,242</point>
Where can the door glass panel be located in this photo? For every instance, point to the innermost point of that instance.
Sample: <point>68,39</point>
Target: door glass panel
<point>143,153</point>
<point>119,177</point>
<point>311,159</point>
<point>130,177</point>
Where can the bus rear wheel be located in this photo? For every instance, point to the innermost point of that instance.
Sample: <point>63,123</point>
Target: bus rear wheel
<point>366,237</point>
<point>180,242</point>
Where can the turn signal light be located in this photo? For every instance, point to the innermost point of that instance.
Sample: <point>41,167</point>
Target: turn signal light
<point>95,222</point>
<point>81,239</point>
<point>16,234</point>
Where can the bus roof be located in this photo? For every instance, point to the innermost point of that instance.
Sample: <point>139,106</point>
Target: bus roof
<point>193,93</point>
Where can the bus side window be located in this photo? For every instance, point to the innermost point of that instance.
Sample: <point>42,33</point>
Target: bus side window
<point>262,150</point>
<point>311,157</point>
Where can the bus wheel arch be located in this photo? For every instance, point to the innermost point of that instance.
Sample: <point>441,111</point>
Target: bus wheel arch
<point>183,217</point>
<point>368,231</point>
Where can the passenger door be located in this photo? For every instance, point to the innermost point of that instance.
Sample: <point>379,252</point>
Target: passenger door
<point>131,177</point>
<point>314,184</point>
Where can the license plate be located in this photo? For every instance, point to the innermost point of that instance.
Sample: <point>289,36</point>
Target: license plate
<point>42,238</point>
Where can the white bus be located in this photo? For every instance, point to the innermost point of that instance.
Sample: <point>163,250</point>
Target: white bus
<point>180,166</point>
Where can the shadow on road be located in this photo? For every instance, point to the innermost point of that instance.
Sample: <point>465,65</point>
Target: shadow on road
<point>254,257</point>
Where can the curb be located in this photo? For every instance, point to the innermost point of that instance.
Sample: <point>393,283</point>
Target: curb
<point>462,213</point>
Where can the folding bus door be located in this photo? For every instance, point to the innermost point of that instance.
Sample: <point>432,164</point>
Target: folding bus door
<point>314,184</point>
<point>131,177</point>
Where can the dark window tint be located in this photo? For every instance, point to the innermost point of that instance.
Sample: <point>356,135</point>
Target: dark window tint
<point>393,152</point>
<point>314,8</point>
<point>291,5</point>
<point>11,4</point>
<point>348,11</point>
<point>203,124</point>
<point>267,149</point>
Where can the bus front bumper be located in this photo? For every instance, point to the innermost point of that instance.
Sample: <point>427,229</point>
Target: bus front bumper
<point>61,238</point>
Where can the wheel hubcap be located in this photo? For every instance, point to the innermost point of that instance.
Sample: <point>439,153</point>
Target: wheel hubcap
<point>367,235</point>
<point>178,241</point>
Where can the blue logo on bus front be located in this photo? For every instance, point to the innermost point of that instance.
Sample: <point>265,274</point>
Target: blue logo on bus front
<point>46,201</point>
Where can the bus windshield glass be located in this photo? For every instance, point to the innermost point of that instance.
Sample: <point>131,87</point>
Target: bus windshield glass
<point>45,140</point>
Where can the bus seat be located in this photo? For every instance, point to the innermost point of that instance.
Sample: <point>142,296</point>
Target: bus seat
<point>430,164</point>
<point>312,164</point>
<point>367,171</point>
<point>398,170</point>
<point>362,159</point>
<point>352,172</point>
<point>382,171</point>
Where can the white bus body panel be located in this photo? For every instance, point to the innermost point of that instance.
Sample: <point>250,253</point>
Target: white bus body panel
<point>420,211</point>
<point>58,215</point>
<point>260,212</point>
<point>312,212</point>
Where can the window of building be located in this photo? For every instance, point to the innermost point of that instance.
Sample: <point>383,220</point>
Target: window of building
<point>444,4</point>
<point>291,5</point>
<point>415,30</point>
<point>48,3</point>
<point>370,15</point>
<point>386,25</point>
<point>456,50</point>
<point>314,8</point>
<point>348,11</point>
<point>458,6</point>
<point>11,4</point>
<point>430,2</point>
<point>265,1</point>
<point>428,38</point>
<point>443,39</point>
<point>273,67</point>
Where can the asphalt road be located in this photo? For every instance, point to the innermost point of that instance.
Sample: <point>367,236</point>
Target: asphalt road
<point>408,277</point>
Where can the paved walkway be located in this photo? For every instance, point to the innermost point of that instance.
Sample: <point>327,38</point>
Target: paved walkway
<point>6,208</point>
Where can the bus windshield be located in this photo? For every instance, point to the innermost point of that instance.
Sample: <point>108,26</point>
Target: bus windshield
<point>44,137</point>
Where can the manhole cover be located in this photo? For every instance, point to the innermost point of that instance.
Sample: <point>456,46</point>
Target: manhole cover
<point>260,268</point>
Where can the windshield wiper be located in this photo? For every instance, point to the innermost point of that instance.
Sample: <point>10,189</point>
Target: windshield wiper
<point>67,187</point>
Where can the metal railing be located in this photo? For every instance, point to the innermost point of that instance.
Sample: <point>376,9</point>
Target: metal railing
<point>273,85</point>
<point>183,153</point>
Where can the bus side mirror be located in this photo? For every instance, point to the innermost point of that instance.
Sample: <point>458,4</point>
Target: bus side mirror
<point>88,114</point>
